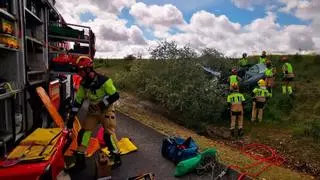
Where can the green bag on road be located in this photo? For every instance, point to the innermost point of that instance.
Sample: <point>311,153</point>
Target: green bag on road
<point>189,165</point>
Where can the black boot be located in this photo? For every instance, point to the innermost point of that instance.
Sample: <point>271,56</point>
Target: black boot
<point>240,132</point>
<point>79,165</point>
<point>232,132</point>
<point>81,160</point>
<point>116,160</point>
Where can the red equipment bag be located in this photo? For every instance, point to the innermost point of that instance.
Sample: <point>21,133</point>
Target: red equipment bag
<point>65,59</point>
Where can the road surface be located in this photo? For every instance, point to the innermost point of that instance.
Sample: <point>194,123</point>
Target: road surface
<point>147,159</point>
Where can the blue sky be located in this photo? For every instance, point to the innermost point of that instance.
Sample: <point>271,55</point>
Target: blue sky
<point>218,7</point>
<point>87,16</point>
<point>222,7</point>
<point>129,26</point>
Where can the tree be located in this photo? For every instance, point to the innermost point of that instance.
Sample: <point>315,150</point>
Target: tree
<point>129,57</point>
<point>211,52</point>
<point>187,53</point>
<point>169,50</point>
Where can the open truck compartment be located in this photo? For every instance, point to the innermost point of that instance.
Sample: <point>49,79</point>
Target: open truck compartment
<point>32,34</point>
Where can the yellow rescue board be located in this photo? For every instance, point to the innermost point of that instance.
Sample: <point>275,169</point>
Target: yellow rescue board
<point>125,146</point>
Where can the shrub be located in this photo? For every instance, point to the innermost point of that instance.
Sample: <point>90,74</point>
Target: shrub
<point>177,84</point>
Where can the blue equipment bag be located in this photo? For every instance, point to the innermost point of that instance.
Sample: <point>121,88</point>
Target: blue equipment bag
<point>177,149</point>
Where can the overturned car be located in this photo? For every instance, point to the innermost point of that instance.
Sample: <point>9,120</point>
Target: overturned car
<point>249,76</point>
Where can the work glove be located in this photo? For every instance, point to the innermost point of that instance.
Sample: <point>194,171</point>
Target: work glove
<point>104,104</point>
<point>93,108</point>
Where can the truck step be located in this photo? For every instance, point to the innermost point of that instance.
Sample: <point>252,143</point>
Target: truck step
<point>32,83</point>
<point>35,72</point>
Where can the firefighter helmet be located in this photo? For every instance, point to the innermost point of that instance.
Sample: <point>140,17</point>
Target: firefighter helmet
<point>244,55</point>
<point>234,71</point>
<point>84,62</point>
<point>264,53</point>
<point>262,83</point>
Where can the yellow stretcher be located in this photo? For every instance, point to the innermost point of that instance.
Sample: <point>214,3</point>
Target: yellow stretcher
<point>40,145</point>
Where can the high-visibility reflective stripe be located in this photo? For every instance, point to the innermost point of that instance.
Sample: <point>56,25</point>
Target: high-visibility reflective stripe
<point>105,178</point>
<point>233,79</point>
<point>262,60</point>
<point>86,138</point>
<point>235,98</point>
<point>105,100</point>
<point>289,68</point>
<point>269,72</point>
<point>75,109</point>
<point>114,144</point>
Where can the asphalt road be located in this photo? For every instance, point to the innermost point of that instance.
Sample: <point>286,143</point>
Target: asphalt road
<point>147,159</point>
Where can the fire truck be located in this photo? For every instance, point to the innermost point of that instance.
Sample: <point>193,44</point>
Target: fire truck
<point>35,43</point>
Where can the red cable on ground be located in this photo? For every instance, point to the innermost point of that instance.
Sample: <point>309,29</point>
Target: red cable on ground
<point>268,158</point>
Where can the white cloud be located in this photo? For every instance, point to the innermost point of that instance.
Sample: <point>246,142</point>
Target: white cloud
<point>265,24</point>
<point>305,10</point>
<point>156,16</point>
<point>113,6</point>
<point>208,30</point>
<point>114,33</point>
<point>247,4</point>
<point>137,36</point>
<point>113,37</point>
<point>300,37</point>
<point>116,39</point>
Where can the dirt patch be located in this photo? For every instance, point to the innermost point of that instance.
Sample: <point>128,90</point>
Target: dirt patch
<point>228,148</point>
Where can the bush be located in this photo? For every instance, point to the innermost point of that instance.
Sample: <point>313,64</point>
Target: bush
<point>169,51</point>
<point>130,57</point>
<point>177,84</point>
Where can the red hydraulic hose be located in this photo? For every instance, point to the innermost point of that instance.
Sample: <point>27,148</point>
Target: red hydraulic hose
<point>269,158</point>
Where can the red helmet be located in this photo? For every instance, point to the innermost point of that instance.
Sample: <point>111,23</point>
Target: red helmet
<point>83,62</point>
<point>234,71</point>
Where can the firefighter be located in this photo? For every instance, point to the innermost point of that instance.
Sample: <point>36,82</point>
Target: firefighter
<point>269,76</point>
<point>263,57</point>
<point>288,76</point>
<point>102,94</point>
<point>244,61</point>
<point>261,94</point>
<point>236,102</point>
<point>234,78</point>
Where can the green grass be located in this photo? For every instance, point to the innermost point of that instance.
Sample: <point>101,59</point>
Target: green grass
<point>228,155</point>
<point>294,121</point>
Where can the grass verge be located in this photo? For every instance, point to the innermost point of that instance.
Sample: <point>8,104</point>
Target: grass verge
<point>129,105</point>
